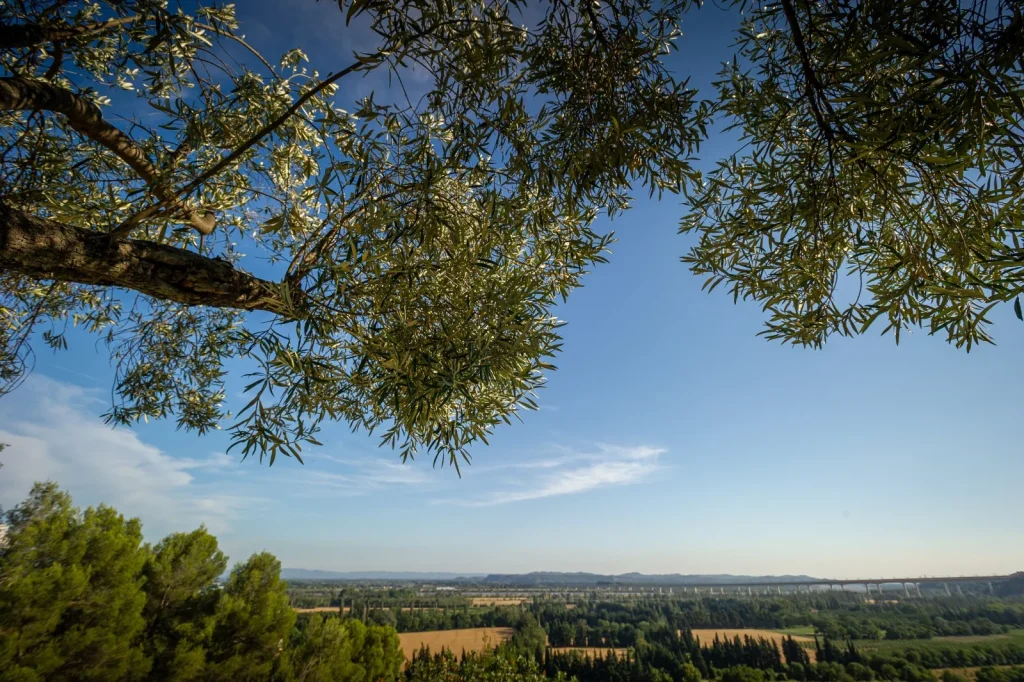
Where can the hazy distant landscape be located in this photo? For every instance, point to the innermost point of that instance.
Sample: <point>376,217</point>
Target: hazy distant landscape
<point>540,577</point>
<point>599,627</point>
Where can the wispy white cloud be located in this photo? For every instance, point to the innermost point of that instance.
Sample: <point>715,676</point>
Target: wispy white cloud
<point>572,474</point>
<point>526,464</point>
<point>54,434</point>
<point>360,474</point>
<point>216,461</point>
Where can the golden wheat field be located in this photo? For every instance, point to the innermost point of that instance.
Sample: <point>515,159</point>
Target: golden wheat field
<point>498,601</point>
<point>319,609</point>
<point>589,651</point>
<point>470,639</point>
<point>707,635</point>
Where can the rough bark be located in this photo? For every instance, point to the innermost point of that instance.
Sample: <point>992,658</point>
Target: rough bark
<point>45,249</point>
<point>85,117</point>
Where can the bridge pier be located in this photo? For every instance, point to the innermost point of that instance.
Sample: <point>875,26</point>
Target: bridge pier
<point>946,585</point>
<point>906,592</point>
<point>990,590</point>
<point>918,586</point>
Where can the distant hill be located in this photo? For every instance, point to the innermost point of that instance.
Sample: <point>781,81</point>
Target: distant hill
<point>554,578</point>
<point>307,574</point>
<point>540,577</point>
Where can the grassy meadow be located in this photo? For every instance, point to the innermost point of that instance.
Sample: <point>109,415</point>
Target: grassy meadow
<point>887,645</point>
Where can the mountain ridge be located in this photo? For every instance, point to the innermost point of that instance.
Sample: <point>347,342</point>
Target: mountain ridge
<point>634,578</point>
<point>315,574</point>
<point>541,577</point>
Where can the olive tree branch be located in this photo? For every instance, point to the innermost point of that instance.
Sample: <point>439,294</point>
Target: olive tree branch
<point>85,117</point>
<point>32,35</point>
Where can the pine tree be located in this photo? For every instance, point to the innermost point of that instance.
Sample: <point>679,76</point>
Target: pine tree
<point>852,655</point>
<point>252,622</point>
<point>333,650</point>
<point>71,594</point>
<point>181,602</point>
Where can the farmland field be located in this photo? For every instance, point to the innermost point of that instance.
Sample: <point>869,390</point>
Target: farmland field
<point>1013,636</point>
<point>471,639</point>
<point>969,673</point>
<point>707,635</point>
<point>589,651</point>
<point>498,601</point>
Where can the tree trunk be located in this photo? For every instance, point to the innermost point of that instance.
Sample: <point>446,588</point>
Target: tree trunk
<point>48,250</point>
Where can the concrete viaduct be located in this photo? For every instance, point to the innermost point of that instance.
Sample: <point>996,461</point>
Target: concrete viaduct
<point>869,584</point>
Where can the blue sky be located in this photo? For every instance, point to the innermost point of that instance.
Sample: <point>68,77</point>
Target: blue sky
<point>671,438</point>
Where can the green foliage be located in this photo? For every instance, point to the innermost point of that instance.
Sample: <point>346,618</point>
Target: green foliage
<point>837,617</point>
<point>991,674</point>
<point>71,597</point>
<point>689,673</point>
<point>880,175</point>
<point>445,666</point>
<point>335,650</point>
<point>664,646</point>
<point>82,599</point>
<point>742,673</point>
<point>180,603</point>
<point>416,247</point>
<point>252,622</point>
<point>529,641</point>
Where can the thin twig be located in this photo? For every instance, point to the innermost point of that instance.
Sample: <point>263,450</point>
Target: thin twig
<point>598,31</point>
<point>240,41</point>
<point>812,86</point>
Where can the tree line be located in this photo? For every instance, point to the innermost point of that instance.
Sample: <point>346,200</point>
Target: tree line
<point>666,656</point>
<point>82,597</point>
<point>592,621</point>
<point>606,623</point>
<point>356,598</point>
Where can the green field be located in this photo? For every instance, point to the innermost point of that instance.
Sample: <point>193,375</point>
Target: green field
<point>969,673</point>
<point>1015,636</point>
<point>801,631</point>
